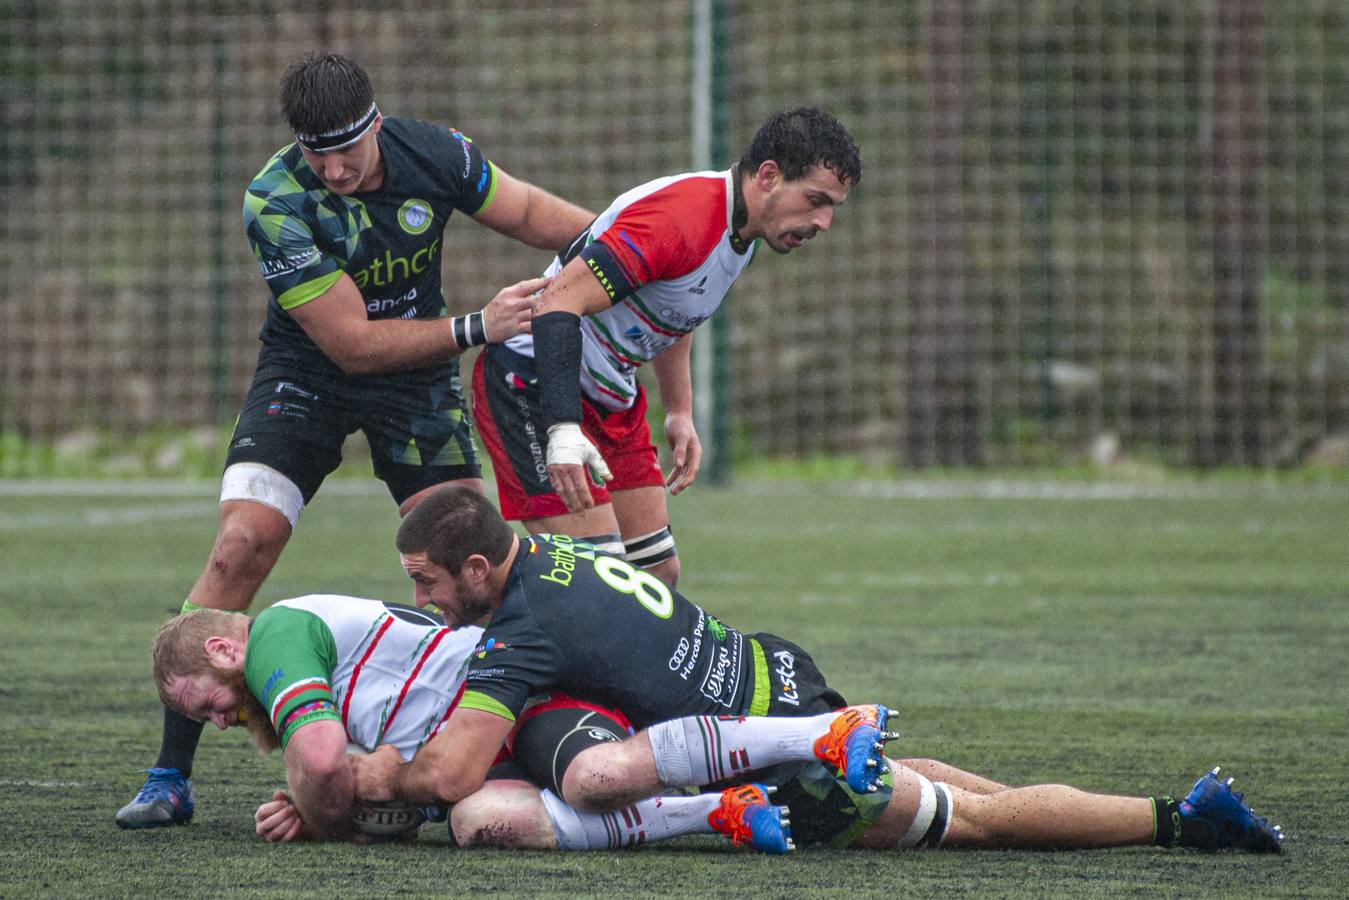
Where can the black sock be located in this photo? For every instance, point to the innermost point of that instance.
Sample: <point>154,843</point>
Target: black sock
<point>1176,830</point>
<point>1166,819</point>
<point>179,743</point>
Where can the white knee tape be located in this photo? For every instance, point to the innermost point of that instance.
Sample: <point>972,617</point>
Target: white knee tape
<point>933,818</point>
<point>922,820</point>
<point>265,485</point>
<point>650,549</point>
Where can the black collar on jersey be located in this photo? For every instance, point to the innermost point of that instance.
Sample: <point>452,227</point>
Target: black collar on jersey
<point>739,213</point>
<point>339,137</point>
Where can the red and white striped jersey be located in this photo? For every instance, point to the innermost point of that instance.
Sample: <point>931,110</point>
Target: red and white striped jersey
<point>663,251</point>
<point>386,672</point>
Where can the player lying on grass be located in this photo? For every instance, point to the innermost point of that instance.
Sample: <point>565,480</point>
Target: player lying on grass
<point>560,616</point>
<point>314,674</point>
<point>339,670</point>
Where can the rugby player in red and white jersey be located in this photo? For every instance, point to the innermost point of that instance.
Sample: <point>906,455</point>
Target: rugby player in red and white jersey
<point>630,290</point>
<point>319,674</point>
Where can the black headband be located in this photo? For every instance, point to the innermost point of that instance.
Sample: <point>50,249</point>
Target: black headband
<point>339,137</point>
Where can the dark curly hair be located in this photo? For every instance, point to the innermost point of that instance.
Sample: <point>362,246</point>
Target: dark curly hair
<point>323,92</point>
<point>799,138</point>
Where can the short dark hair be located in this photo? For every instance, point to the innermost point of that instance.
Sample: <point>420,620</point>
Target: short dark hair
<point>801,137</point>
<point>452,524</point>
<point>323,92</point>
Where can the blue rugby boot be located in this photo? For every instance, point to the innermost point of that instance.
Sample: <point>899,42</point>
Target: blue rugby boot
<point>747,816</point>
<point>1214,817</point>
<point>855,745</point>
<point>166,798</point>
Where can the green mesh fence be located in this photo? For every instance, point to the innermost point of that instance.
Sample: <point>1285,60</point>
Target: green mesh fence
<point>1111,230</point>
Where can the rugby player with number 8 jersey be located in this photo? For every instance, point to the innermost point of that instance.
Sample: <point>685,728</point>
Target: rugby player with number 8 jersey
<point>559,615</point>
<point>319,675</point>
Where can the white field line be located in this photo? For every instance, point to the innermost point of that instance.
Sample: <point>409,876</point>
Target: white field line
<point>909,488</point>
<point>14,487</point>
<point>19,782</point>
<point>98,518</point>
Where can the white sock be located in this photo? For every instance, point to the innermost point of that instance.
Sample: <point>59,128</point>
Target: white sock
<point>698,750</point>
<point>653,819</point>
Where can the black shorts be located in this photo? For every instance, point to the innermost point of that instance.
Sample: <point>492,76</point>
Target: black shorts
<point>796,685</point>
<point>824,810</point>
<point>554,729</point>
<point>295,422</point>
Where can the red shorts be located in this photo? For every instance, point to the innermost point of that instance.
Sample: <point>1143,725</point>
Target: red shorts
<point>509,417</point>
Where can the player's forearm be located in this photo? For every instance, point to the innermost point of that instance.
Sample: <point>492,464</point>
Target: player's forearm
<point>674,378</point>
<point>393,345</point>
<point>428,779</point>
<point>324,800</point>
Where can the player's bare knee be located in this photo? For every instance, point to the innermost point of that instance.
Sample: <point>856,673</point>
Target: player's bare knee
<point>247,542</point>
<point>476,822</point>
<point>919,814</point>
<point>667,571</point>
<point>601,778</point>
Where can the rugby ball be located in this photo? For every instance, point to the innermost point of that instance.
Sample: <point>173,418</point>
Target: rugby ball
<point>385,820</point>
<point>392,819</point>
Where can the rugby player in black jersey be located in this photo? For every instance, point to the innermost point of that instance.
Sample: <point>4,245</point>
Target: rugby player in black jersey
<point>714,705</point>
<point>347,224</point>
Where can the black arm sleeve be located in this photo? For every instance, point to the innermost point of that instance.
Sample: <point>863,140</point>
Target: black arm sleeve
<point>557,360</point>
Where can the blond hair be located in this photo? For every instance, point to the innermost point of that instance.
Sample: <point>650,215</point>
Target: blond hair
<point>179,646</point>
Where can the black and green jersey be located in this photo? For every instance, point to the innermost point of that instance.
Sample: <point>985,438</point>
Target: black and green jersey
<point>581,621</point>
<point>390,241</point>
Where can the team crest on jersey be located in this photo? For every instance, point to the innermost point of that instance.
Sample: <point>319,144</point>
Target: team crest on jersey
<point>415,216</point>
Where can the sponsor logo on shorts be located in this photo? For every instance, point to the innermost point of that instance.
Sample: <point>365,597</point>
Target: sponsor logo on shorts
<point>415,215</point>
<point>698,288</point>
<point>786,671</point>
<point>287,408</point>
<point>536,454</point>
